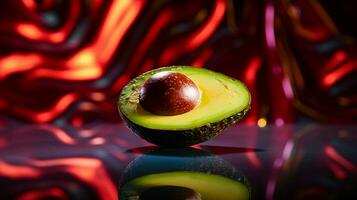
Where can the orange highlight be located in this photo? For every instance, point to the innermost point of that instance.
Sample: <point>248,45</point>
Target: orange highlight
<point>30,31</point>
<point>196,38</point>
<point>46,116</point>
<point>60,134</point>
<point>337,74</point>
<point>30,4</point>
<point>120,16</point>
<point>89,73</point>
<point>33,32</point>
<point>18,63</point>
<point>83,58</point>
<point>17,172</point>
<point>89,170</point>
<point>209,27</point>
<point>337,59</point>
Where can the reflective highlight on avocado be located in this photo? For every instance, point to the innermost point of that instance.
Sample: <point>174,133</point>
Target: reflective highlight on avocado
<point>223,102</point>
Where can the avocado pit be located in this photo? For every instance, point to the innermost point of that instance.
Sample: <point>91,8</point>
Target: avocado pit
<point>169,93</point>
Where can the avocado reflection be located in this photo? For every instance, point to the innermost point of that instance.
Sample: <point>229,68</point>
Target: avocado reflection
<point>182,173</point>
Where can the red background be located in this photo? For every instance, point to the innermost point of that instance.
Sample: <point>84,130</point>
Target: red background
<point>65,62</point>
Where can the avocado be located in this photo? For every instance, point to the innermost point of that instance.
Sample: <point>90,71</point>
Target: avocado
<point>221,102</point>
<point>187,172</point>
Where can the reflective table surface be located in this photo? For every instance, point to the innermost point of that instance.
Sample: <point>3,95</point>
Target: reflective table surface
<point>107,161</point>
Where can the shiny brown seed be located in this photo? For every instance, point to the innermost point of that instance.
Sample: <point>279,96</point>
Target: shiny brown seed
<point>169,93</point>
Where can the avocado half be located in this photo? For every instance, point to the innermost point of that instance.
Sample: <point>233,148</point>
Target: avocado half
<point>203,173</point>
<point>223,102</point>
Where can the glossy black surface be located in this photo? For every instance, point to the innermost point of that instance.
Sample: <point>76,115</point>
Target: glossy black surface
<point>309,161</point>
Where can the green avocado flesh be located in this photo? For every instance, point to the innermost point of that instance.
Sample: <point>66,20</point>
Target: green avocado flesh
<point>210,187</point>
<point>223,102</point>
<point>221,97</point>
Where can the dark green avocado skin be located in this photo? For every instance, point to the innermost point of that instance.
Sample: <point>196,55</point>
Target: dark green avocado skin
<point>181,138</point>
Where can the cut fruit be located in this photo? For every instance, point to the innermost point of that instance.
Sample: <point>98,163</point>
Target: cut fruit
<point>224,101</point>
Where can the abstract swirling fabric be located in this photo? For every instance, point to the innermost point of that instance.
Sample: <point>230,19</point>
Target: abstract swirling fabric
<point>65,62</point>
